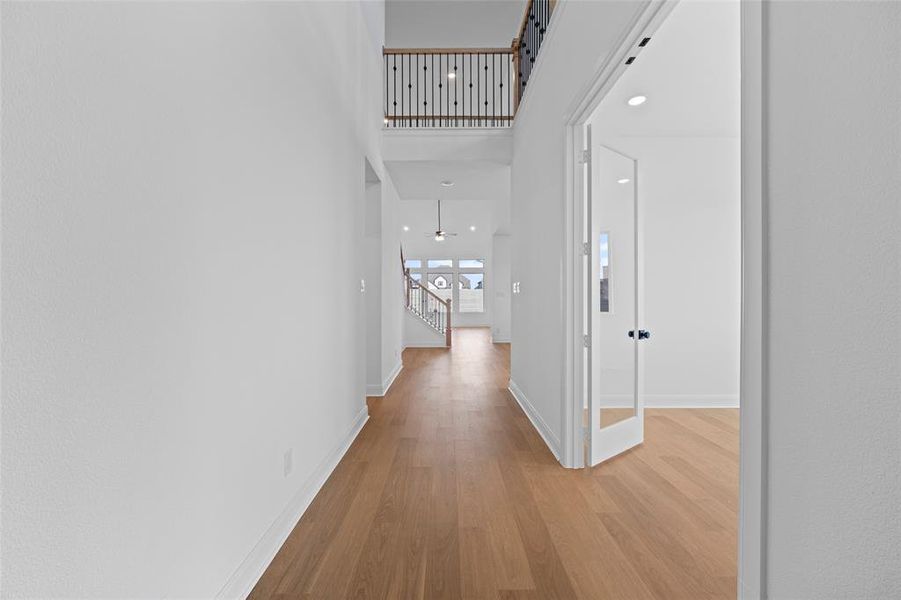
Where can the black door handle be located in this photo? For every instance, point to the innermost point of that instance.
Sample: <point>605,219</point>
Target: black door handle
<point>642,334</point>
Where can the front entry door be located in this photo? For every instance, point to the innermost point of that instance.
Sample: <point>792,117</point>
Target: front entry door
<point>615,411</point>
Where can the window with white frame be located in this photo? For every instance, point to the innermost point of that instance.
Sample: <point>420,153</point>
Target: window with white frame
<point>461,280</point>
<point>471,283</point>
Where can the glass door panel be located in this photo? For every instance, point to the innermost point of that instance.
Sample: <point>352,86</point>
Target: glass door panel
<point>616,416</point>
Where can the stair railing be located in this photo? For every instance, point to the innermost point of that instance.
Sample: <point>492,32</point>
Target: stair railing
<point>428,306</point>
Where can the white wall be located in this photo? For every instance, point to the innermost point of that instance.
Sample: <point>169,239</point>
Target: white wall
<point>580,37</point>
<point>501,286</point>
<point>372,258</point>
<point>177,186</point>
<point>689,200</point>
<point>833,175</point>
<point>453,23</point>
<point>419,335</point>
<point>392,288</point>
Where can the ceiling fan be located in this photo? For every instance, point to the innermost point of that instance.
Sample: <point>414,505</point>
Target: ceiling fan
<point>440,234</point>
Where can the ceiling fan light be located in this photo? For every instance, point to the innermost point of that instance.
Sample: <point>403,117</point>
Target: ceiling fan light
<point>439,237</point>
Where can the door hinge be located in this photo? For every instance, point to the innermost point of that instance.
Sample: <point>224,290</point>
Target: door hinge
<point>586,156</point>
<point>586,248</point>
<point>586,341</point>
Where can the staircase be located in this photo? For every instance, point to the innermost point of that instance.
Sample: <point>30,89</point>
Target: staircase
<point>423,303</point>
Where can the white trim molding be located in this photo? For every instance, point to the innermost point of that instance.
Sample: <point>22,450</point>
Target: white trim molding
<point>671,400</point>
<point>753,420</point>
<point>382,389</point>
<point>426,345</point>
<point>549,437</point>
<point>240,584</point>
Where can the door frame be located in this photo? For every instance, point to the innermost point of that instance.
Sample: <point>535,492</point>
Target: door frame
<point>754,276</point>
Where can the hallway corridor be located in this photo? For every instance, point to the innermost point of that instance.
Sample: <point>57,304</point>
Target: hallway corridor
<point>449,492</point>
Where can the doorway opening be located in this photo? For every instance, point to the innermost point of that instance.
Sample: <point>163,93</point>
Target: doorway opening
<point>370,261</point>
<point>657,267</point>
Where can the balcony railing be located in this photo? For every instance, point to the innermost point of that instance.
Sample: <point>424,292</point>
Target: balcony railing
<point>531,36</point>
<point>463,87</point>
<point>449,87</point>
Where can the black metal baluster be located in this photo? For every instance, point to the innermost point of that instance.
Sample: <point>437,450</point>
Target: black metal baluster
<point>470,90</point>
<point>542,26</point>
<point>455,90</point>
<point>394,91</point>
<point>486,90</point>
<point>479,89</point>
<point>409,90</point>
<point>509,67</point>
<point>447,95</point>
<point>403,95</point>
<point>417,90</point>
<point>463,83</point>
<point>432,88</point>
<point>403,99</point>
<point>538,23</point>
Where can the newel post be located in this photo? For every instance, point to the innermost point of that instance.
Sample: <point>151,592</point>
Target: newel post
<point>407,285</point>
<point>447,329</point>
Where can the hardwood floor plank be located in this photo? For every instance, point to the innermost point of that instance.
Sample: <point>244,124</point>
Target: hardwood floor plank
<point>442,575</point>
<point>547,569</point>
<point>449,492</point>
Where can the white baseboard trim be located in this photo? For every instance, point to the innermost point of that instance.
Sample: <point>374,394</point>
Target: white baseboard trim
<point>381,390</point>
<point>240,584</point>
<point>552,441</point>
<point>672,400</point>
<point>435,344</point>
<point>495,340</point>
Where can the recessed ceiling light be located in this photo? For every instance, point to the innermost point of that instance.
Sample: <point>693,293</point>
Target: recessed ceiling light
<point>447,183</point>
<point>637,100</point>
<point>472,227</point>
<point>623,180</point>
<point>406,228</point>
<point>451,75</point>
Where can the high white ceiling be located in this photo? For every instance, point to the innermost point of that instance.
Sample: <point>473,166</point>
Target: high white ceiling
<point>690,74</point>
<point>452,23</point>
<point>456,217</point>
<point>473,180</point>
<point>479,197</point>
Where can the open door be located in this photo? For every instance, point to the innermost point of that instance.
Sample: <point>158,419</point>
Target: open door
<point>615,411</point>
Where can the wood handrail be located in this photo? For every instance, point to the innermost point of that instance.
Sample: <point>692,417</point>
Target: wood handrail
<point>389,51</point>
<point>552,4</point>
<point>522,25</point>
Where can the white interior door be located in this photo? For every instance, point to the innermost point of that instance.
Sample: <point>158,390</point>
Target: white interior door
<point>615,410</point>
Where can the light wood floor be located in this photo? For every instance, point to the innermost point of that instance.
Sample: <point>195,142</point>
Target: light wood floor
<point>448,492</point>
